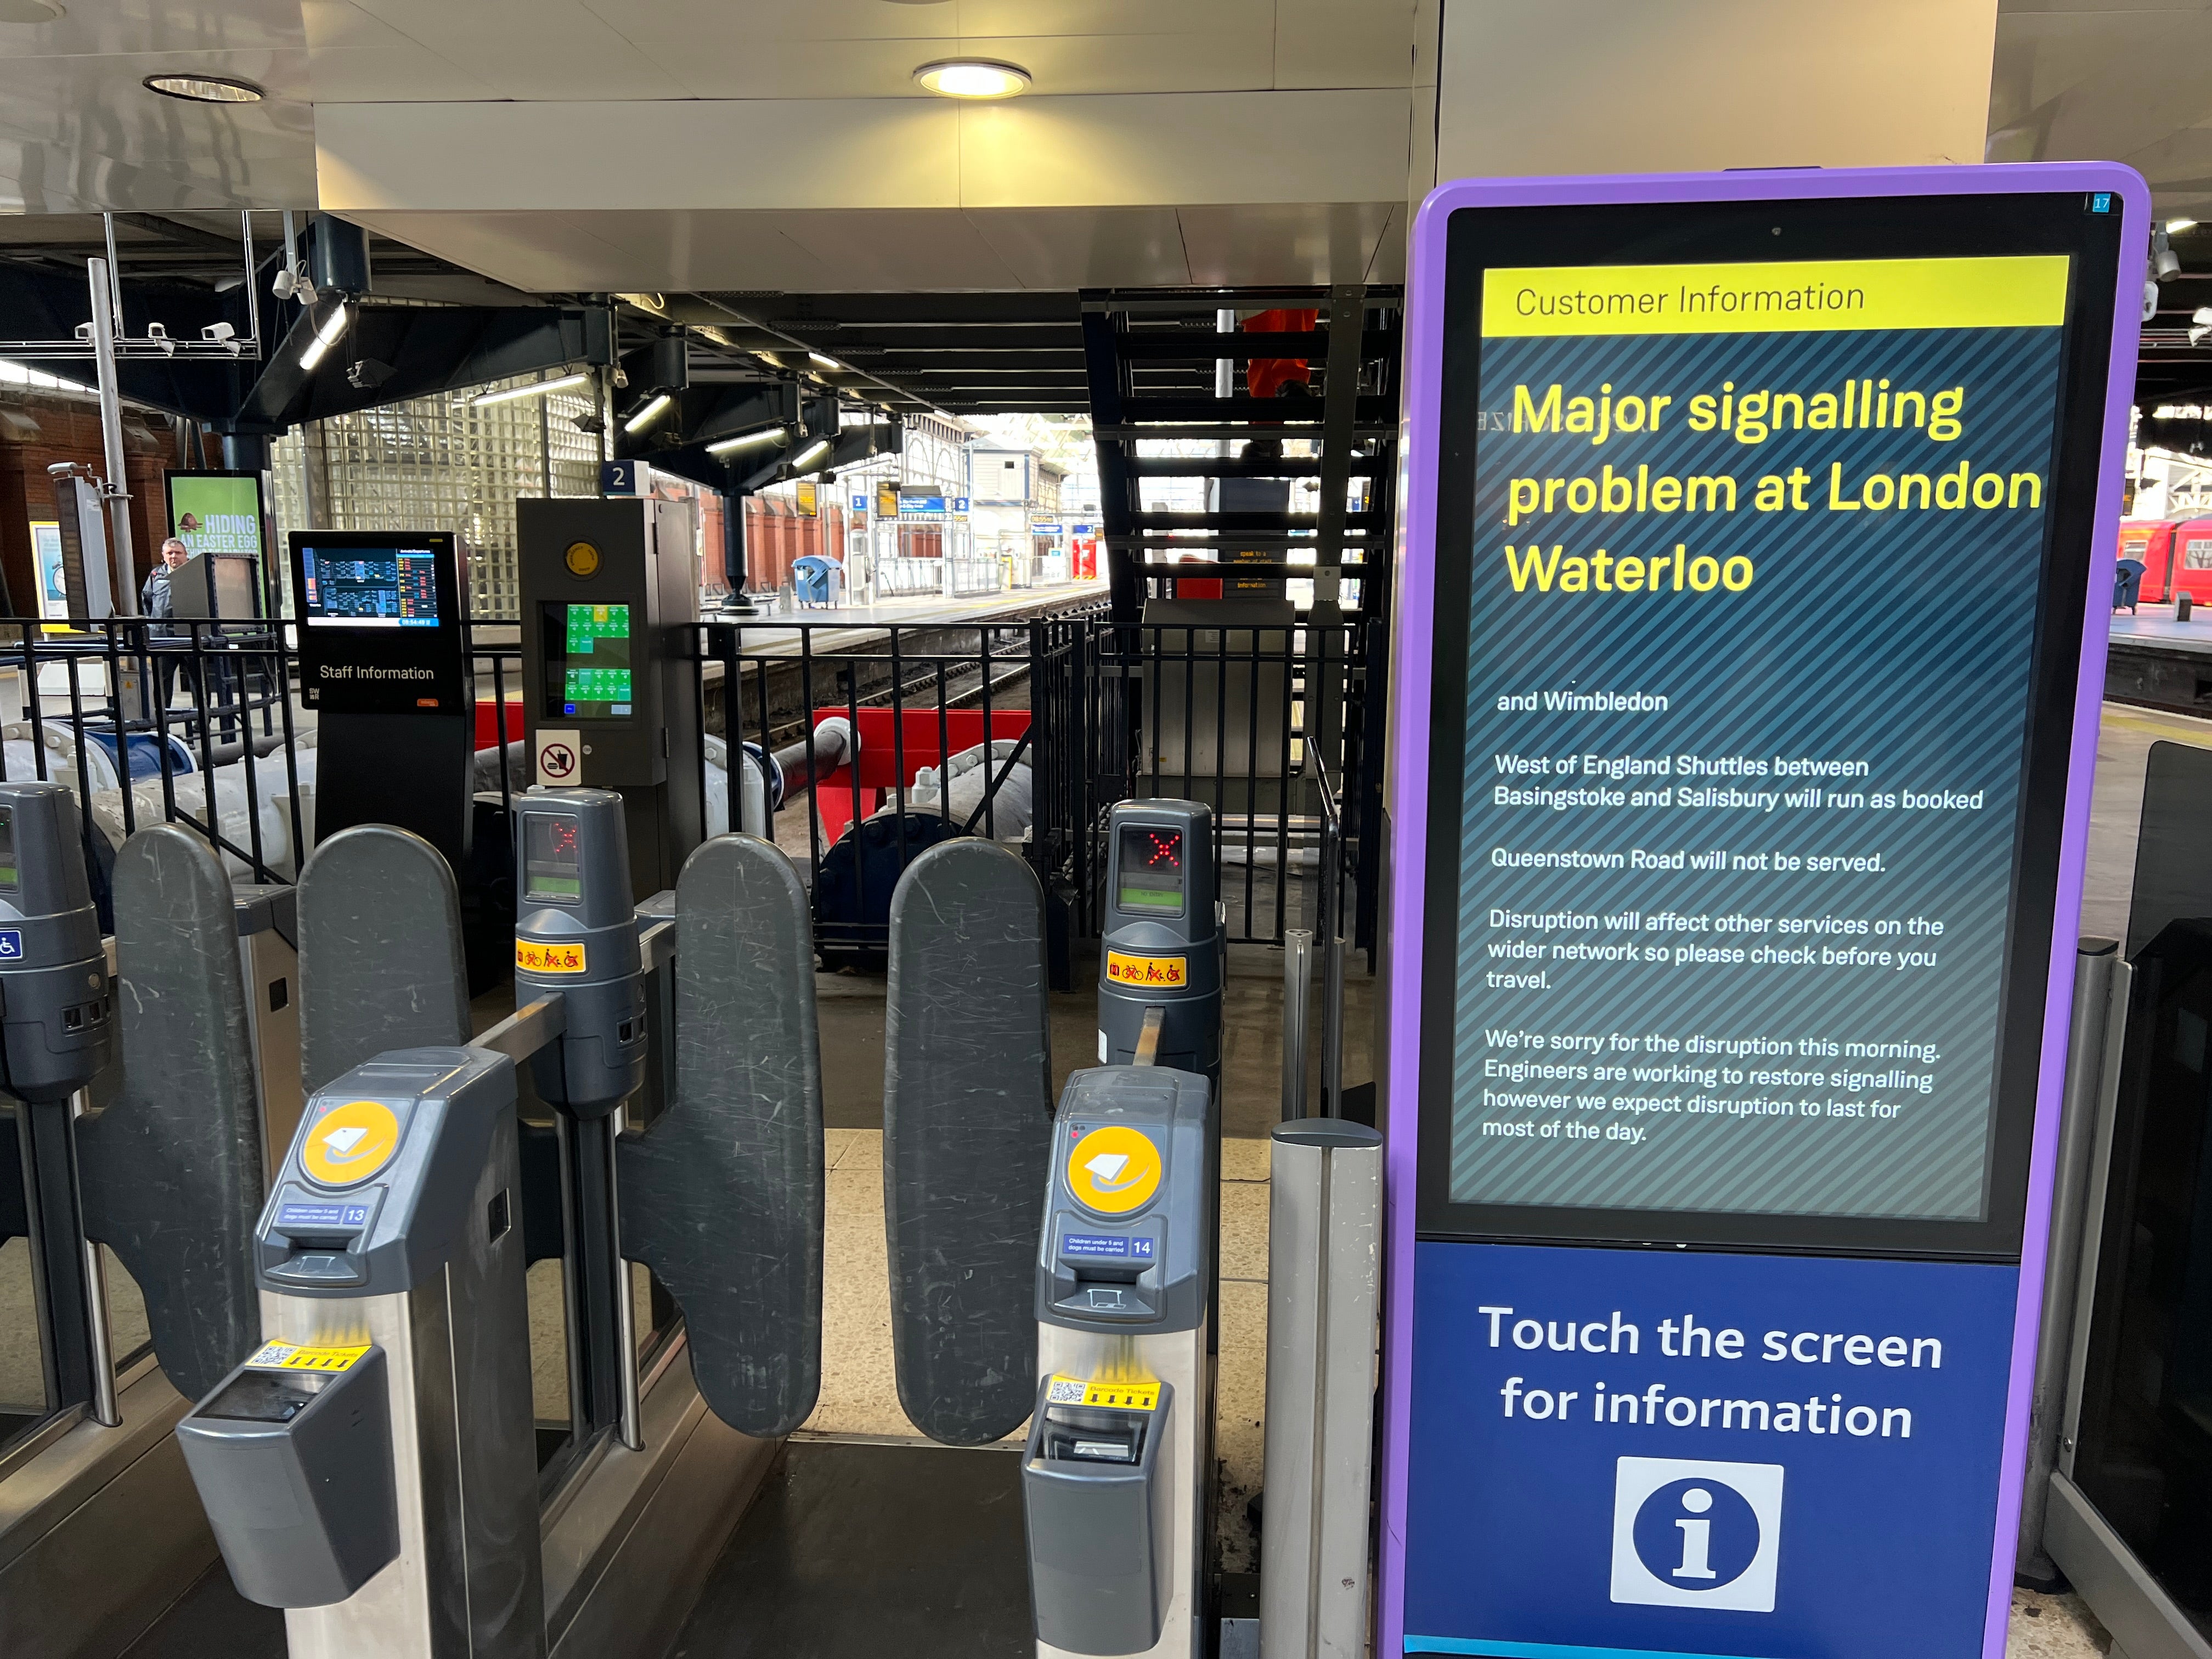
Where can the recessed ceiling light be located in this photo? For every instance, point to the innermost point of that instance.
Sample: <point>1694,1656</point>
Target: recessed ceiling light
<point>30,11</point>
<point>973,77</point>
<point>204,88</point>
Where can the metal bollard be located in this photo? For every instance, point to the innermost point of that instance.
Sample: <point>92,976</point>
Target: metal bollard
<point>1324,1276</point>
<point>2093,1074</point>
<point>1297,998</point>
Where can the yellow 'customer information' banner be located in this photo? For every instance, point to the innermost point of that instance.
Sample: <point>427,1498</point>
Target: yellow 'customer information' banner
<point>1806,296</point>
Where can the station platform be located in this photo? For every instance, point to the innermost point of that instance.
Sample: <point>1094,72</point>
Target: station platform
<point>2160,661</point>
<point>1013,605</point>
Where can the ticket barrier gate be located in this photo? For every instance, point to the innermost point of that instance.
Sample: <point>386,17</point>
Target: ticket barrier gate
<point>1118,1477</point>
<point>391,1253</point>
<point>159,1160</point>
<point>1162,942</point>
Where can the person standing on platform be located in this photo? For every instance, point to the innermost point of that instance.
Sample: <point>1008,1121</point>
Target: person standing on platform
<point>157,603</point>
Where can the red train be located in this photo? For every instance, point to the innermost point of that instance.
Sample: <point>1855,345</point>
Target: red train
<point>2177,556</point>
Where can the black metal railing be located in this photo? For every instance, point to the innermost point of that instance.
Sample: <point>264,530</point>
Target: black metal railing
<point>846,719</point>
<point>131,755</point>
<point>1275,728</point>
<point>1228,716</point>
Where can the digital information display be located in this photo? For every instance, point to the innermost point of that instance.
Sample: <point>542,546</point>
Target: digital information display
<point>552,860</point>
<point>370,587</point>
<point>10,879</point>
<point>1740,793</point>
<point>1757,532</point>
<point>590,677</point>
<point>1150,870</point>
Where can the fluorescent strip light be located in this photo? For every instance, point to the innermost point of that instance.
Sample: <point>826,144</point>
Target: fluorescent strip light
<point>537,389</point>
<point>2175,226</point>
<point>812,453</point>
<point>766,435</point>
<point>821,361</point>
<point>325,337</point>
<point>646,417</point>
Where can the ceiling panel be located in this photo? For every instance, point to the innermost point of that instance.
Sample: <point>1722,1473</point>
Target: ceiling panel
<point>1348,146</point>
<point>743,23</point>
<point>82,132</point>
<point>369,75</point>
<point>1087,248</point>
<point>675,154</point>
<point>884,68</point>
<point>532,49</point>
<point>1287,242</point>
<point>1324,43</point>
<point>88,29</point>
<point>1038,18</point>
<point>890,250</point>
<point>2042,56</point>
<point>535,252</point>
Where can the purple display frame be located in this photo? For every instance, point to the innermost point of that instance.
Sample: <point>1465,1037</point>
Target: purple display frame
<point>1406,786</point>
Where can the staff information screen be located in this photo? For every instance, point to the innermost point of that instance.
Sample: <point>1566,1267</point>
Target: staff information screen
<point>1754,528</point>
<point>352,586</point>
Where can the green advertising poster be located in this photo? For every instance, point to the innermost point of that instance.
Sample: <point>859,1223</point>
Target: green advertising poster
<point>216,512</point>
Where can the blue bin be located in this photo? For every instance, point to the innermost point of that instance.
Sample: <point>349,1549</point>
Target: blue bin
<point>814,580</point>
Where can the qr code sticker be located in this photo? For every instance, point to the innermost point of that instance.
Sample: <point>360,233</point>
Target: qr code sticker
<point>1064,1391</point>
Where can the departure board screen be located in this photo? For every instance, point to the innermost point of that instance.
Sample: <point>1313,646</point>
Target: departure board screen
<point>1760,595</point>
<point>588,661</point>
<point>1150,869</point>
<point>552,860</point>
<point>370,587</point>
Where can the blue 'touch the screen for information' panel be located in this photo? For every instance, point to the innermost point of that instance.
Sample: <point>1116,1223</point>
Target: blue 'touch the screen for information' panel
<point>1625,1450</point>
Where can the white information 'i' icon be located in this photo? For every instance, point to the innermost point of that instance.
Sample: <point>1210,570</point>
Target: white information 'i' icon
<point>1688,1532</point>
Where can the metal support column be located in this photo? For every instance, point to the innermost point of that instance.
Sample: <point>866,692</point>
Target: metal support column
<point>106,327</point>
<point>1297,999</point>
<point>2091,1051</point>
<point>1324,1278</point>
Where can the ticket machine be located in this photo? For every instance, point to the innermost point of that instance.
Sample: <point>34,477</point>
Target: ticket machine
<point>610,594</point>
<point>1162,944</point>
<point>1116,1479</point>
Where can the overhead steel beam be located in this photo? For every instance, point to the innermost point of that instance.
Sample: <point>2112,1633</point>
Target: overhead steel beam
<point>175,230</point>
<point>428,350</point>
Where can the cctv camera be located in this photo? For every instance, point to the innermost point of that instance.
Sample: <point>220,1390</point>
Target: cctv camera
<point>367,374</point>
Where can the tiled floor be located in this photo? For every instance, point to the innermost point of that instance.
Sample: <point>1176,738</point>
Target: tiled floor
<point>2124,743</point>
<point>2053,1627</point>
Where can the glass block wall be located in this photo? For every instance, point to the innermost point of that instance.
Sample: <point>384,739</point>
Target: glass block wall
<point>443,463</point>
